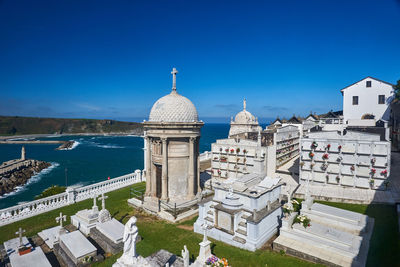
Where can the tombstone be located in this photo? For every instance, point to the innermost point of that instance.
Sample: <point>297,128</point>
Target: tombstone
<point>35,257</point>
<point>51,235</point>
<point>205,249</point>
<point>86,219</point>
<point>74,249</point>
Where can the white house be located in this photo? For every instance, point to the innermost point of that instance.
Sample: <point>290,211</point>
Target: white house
<point>368,98</point>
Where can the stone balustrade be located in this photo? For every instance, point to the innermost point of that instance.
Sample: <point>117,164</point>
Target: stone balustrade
<point>205,156</point>
<point>72,195</point>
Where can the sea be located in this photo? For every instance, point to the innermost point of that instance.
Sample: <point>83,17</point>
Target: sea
<point>92,159</point>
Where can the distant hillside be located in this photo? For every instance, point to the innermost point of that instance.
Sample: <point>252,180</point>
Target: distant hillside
<point>28,125</point>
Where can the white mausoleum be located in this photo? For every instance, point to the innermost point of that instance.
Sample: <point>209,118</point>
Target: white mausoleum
<point>367,99</point>
<point>172,136</point>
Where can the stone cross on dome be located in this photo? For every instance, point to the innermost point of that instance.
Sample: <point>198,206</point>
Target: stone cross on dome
<point>244,103</point>
<point>174,72</point>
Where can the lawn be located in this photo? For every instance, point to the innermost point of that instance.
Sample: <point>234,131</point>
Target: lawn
<point>157,234</point>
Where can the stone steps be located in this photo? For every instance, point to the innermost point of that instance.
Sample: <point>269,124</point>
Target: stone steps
<point>209,219</point>
<point>239,239</point>
<point>243,224</point>
<point>241,231</point>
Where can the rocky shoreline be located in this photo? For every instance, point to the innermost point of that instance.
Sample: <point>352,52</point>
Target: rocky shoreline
<point>66,145</point>
<point>20,176</point>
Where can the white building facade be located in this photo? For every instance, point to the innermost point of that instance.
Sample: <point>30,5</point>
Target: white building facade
<point>367,97</point>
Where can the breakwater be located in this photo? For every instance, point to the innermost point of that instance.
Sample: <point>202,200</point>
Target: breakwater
<point>17,172</point>
<point>63,144</point>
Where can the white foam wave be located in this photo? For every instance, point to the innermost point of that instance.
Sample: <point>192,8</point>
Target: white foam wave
<point>109,146</point>
<point>34,179</point>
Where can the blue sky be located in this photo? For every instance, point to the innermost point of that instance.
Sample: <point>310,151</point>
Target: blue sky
<point>112,59</point>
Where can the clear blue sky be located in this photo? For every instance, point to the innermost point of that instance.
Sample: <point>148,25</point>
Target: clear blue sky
<point>112,59</point>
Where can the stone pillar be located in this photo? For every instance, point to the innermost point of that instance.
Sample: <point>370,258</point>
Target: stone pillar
<point>191,183</point>
<point>198,165</point>
<point>148,165</point>
<point>153,178</point>
<point>164,178</point>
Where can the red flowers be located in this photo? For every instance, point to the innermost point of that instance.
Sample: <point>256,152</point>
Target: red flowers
<point>384,172</point>
<point>232,150</point>
<point>311,155</point>
<point>373,171</point>
<point>328,146</point>
<point>325,156</point>
<point>339,147</point>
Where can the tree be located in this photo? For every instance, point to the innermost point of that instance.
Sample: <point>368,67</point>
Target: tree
<point>396,88</point>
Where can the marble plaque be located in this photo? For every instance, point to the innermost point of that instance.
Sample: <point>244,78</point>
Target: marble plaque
<point>349,148</point>
<point>363,171</point>
<point>347,180</point>
<point>364,159</point>
<point>364,148</point>
<point>225,221</point>
<point>333,168</point>
<point>319,177</point>
<point>380,149</point>
<point>348,158</point>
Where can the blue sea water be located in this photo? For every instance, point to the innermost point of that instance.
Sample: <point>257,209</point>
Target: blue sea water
<point>93,160</point>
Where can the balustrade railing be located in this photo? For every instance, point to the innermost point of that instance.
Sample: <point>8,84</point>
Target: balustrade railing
<point>72,195</point>
<point>205,156</point>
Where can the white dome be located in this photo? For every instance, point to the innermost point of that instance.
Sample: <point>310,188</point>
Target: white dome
<point>173,108</point>
<point>245,117</point>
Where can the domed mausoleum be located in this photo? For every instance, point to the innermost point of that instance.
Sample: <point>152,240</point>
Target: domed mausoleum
<point>244,122</point>
<point>172,136</point>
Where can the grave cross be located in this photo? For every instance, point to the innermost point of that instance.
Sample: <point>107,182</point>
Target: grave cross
<point>174,72</point>
<point>205,228</point>
<point>61,219</point>
<point>103,201</point>
<point>19,233</point>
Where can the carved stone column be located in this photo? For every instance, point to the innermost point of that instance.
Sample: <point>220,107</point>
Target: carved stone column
<point>148,164</point>
<point>164,177</point>
<point>153,174</point>
<point>191,183</point>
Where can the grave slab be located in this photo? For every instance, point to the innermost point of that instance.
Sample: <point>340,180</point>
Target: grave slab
<point>77,247</point>
<point>50,236</point>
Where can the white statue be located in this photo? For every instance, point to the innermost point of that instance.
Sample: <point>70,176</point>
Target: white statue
<point>129,257</point>
<point>185,256</point>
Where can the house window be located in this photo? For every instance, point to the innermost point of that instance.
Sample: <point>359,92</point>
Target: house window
<point>368,83</point>
<point>355,100</point>
<point>381,99</point>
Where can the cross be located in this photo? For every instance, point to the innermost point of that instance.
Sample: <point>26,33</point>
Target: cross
<point>244,103</point>
<point>61,218</point>
<point>205,227</point>
<point>94,201</point>
<point>103,201</point>
<point>174,72</point>
<point>19,233</point>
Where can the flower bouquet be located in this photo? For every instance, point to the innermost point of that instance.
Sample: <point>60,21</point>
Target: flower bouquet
<point>214,261</point>
<point>232,150</point>
<point>311,155</point>
<point>302,219</point>
<point>325,156</point>
<point>237,150</point>
<point>373,171</point>
<point>384,173</point>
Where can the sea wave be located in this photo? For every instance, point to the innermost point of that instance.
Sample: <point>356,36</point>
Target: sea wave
<point>109,146</point>
<point>34,179</point>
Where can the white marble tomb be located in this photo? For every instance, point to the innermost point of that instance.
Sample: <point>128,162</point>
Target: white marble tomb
<point>76,246</point>
<point>35,258</point>
<point>86,219</point>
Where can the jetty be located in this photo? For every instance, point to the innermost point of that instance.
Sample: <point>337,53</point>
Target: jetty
<point>63,144</point>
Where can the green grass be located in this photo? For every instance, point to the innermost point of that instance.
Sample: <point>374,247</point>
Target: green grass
<point>157,234</point>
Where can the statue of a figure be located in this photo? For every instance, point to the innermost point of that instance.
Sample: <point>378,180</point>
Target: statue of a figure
<point>129,257</point>
<point>129,239</point>
<point>185,256</point>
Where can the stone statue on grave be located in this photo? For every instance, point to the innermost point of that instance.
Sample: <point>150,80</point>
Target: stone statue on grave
<point>129,257</point>
<point>185,256</point>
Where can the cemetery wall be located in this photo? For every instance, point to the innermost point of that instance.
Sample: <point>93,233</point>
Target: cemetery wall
<point>72,195</point>
<point>363,162</point>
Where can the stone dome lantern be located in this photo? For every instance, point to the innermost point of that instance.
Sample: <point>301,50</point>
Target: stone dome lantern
<point>172,136</point>
<point>244,122</point>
